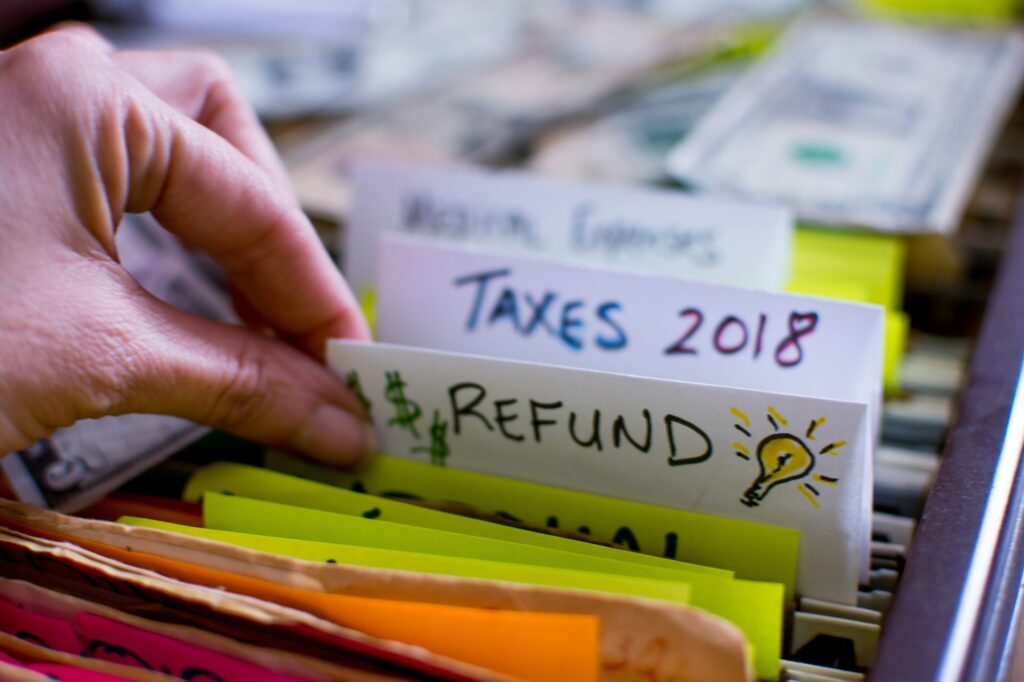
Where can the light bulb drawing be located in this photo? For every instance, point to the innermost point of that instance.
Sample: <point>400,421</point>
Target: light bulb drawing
<point>783,457</point>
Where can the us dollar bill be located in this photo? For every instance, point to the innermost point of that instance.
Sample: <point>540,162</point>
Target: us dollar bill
<point>630,144</point>
<point>574,66</point>
<point>857,123</point>
<point>80,464</point>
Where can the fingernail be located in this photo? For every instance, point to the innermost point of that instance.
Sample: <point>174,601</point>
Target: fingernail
<point>334,436</point>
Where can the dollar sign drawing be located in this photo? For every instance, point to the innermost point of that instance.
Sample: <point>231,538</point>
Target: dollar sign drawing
<point>438,441</point>
<point>354,385</point>
<point>406,411</point>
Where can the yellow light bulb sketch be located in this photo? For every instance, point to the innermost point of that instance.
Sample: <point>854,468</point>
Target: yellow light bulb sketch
<point>783,457</point>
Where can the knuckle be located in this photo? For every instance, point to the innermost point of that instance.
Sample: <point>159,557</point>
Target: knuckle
<point>261,243</point>
<point>216,66</point>
<point>51,53</point>
<point>52,65</point>
<point>31,62</point>
<point>219,92</point>
<point>211,87</point>
<point>212,67</point>
<point>245,395</point>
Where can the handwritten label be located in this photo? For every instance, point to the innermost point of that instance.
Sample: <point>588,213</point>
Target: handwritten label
<point>753,551</point>
<point>251,515</point>
<point>786,460</point>
<point>115,642</point>
<point>451,299</point>
<point>732,536</point>
<point>38,629</point>
<point>642,230</point>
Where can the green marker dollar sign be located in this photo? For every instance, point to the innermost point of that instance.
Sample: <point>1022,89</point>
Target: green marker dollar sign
<point>438,441</point>
<point>406,411</point>
<point>354,385</point>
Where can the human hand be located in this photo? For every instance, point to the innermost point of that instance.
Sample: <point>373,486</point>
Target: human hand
<point>88,133</point>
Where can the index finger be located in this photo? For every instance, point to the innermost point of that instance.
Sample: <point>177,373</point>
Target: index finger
<point>200,85</point>
<point>216,199</point>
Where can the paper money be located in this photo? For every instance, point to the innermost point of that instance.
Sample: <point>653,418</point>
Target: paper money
<point>81,463</point>
<point>315,58</point>
<point>283,80</point>
<point>487,116</point>
<point>630,145</point>
<point>723,11</point>
<point>860,124</point>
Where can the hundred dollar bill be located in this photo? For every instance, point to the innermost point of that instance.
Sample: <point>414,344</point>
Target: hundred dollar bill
<point>864,124</point>
<point>79,464</point>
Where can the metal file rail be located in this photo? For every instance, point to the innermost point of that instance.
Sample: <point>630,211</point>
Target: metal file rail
<point>956,612</point>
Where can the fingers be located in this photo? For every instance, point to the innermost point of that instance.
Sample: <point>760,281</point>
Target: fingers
<point>200,85</point>
<point>84,31</point>
<point>233,379</point>
<point>89,341</point>
<point>203,189</point>
<point>216,193</point>
<point>99,142</point>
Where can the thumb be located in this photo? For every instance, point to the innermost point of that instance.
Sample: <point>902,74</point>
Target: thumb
<point>234,379</point>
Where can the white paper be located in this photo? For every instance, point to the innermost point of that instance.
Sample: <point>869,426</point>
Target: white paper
<point>640,230</point>
<point>454,299</point>
<point>682,445</point>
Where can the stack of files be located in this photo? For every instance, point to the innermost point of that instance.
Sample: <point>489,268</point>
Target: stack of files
<point>80,463</point>
<point>528,334</point>
<point>627,434</point>
<point>324,608</point>
<point>631,454</point>
<point>632,344</point>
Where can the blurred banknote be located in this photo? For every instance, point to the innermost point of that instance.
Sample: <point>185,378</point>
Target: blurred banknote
<point>860,124</point>
<point>81,463</point>
<point>285,79</point>
<point>630,144</point>
<point>315,58</point>
<point>576,65</point>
